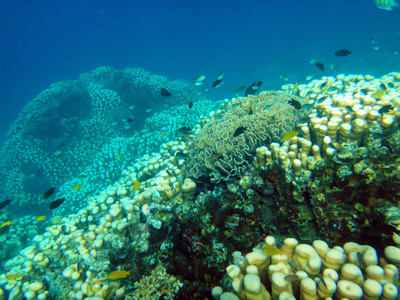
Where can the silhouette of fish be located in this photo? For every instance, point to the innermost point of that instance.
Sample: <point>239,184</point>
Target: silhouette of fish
<point>48,193</point>
<point>342,52</point>
<point>165,92</point>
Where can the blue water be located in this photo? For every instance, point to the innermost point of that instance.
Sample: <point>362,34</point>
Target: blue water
<point>47,41</point>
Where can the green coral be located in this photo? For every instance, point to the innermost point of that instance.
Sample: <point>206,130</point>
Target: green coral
<point>158,284</point>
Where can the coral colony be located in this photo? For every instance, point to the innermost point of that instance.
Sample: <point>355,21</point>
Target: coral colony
<point>289,194</point>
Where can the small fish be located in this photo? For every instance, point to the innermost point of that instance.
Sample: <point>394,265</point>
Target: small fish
<point>383,87</point>
<point>372,41</point>
<point>253,88</point>
<point>313,61</point>
<point>217,83</point>
<point>8,223</point>
<point>342,52</point>
<point>163,132</point>
<point>301,132</point>
<point>239,131</point>
<point>128,120</point>
<point>183,131</point>
<point>40,218</point>
<point>322,99</point>
<point>56,203</point>
<point>364,92</point>
<point>115,275</point>
<point>376,48</point>
<point>386,133</point>
<point>4,203</point>
<point>180,155</point>
<point>289,135</point>
<point>120,155</point>
<point>309,77</point>
<point>220,75</point>
<point>136,186</point>
<point>165,92</point>
<point>267,106</point>
<point>271,251</point>
<point>349,109</point>
<point>64,229</point>
<point>395,52</point>
<point>293,277</point>
<point>145,176</point>
<point>296,85</point>
<point>240,88</point>
<point>390,84</point>
<point>215,156</point>
<point>323,85</point>
<point>332,66</point>
<point>296,104</point>
<point>169,172</point>
<point>77,187</point>
<point>48,193</point>
<point>149,110</point>
<point>360,259</point>
<point>386,4</point>
<point>190,104</point>
<point>199,79</point>
<point>4,229</point>
<point>320,66</point>
<point>14,276</point>
<point>322,280</point>
<point>284,77</point>
<point>250,111</point>
<point>307,106</point>
<point>384,109</point>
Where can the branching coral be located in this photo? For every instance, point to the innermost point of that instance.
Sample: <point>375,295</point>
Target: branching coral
<point>158,284</point>
<point>219,153</point>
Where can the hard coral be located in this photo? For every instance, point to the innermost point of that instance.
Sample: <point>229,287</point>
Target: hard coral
<point>220,152</point>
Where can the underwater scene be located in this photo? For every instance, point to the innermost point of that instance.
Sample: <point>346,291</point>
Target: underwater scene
<point>222,150</point>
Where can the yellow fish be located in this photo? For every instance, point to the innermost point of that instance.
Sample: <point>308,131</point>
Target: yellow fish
<point>289,135</point>
<point>14,276</point>
<point>40,218</point>
<point>118,274</point>
<point>136,186</point>
<point>77,187</point>
<point>379,94</point>
<point>6,224</point>
<point>120,155</point>
<point>386,4</point>
<point>271,251</point>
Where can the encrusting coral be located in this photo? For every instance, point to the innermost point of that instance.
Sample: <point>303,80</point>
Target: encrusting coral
<point>300,271</point>
<point>218,151</point>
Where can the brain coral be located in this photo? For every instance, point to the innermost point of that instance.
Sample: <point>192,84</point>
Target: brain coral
<point>218,154</point>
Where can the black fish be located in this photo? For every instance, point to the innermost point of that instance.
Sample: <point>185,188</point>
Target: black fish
<point>296,104</point>
<point>379,236</point>
<point>190,104</point>
<point>56,203</point>
<point>165,92</point>
<point>217,83</point>
<point>386,133</point>
<point>383,87</point>
<point>250,111</point>
<point>239,131</point>
<point>253,88</point>
<point>349,109</point>
<point>128,120</point>
<point>48,193</point>
<point>342,52</point>
<point>183,131</point>
<point>144,177</point>
<point>320,66</point>
<point>4,203</point>
<point>180,155</point>
<point>364,91</point>
<point>384,109</point>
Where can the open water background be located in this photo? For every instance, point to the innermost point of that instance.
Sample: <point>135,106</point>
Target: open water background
<point>46,41</point>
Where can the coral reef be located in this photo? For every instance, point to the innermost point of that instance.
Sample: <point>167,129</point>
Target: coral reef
<point>336,182</point>
<point>301,271</point>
